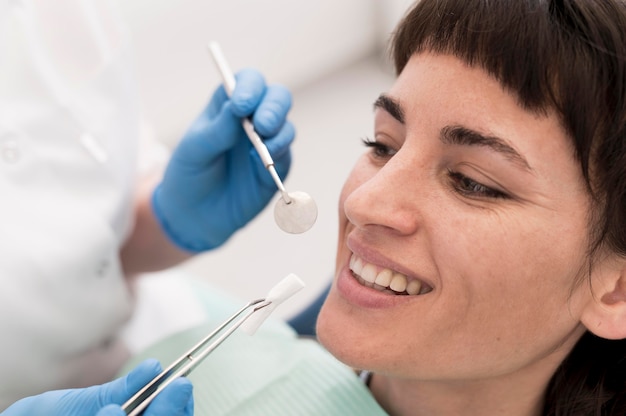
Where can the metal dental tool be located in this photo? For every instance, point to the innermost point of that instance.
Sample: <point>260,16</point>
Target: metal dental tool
<point>294,212</point>
<point>258,310</point>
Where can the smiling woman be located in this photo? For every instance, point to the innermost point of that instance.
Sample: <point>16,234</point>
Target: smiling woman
<point>495,184</point>
<point>481,255</point>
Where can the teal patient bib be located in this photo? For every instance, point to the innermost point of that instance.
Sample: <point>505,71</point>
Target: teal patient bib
<point>272,372</point>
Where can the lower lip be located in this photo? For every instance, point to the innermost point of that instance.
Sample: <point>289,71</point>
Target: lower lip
<point>365,297</point>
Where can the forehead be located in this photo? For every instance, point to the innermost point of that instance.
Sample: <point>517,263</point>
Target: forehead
<point>433,81</point>
<point>437,90</point>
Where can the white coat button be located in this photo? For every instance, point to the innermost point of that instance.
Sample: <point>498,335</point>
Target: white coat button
<point>9,149</point>
<point>102,268</point>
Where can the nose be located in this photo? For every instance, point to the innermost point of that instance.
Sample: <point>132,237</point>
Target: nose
<point>385,197</point>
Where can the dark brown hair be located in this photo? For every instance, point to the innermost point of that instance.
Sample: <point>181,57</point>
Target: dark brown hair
<point>568,56</point>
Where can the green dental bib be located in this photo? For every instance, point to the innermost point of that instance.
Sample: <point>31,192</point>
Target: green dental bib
<point>272,372</point>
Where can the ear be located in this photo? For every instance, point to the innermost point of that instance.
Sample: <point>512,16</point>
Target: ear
<point>605,314</point>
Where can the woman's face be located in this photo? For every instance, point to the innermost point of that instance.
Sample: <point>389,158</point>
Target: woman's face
<point>477,211</point>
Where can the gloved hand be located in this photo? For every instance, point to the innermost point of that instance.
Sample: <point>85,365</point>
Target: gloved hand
<point>215,181</point>
<point>105,400</point>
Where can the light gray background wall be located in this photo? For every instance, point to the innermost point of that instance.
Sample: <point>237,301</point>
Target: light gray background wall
<point>329,53</point>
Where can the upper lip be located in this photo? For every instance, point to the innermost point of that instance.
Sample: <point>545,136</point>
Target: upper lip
<point>371,255</point>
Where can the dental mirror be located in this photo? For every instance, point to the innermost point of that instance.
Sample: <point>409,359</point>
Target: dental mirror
<point>294,212</point>
<point>296,216</point>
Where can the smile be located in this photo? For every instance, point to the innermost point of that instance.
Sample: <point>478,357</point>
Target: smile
<point>385,280</point>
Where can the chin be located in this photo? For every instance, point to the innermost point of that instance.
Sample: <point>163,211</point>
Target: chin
<point>338,334</point>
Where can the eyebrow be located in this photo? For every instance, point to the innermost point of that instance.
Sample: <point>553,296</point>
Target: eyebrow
<point>391,106</point>
<point>458,135</point>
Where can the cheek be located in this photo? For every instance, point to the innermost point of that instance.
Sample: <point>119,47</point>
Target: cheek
<point>512,262</point>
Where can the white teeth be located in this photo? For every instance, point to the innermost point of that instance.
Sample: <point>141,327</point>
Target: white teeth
<point>384,279</point>
<point>368,273</point>
<point>357,265</point>
<point>398,283</point>
<point>413,287</point>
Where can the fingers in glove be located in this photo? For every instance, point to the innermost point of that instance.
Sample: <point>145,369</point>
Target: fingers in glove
<point>111,410</point>
<point>141,375</point>
<point>249,91</point>
<point>175,400</point>
<point>271,114</point>
<point>209,138</point>
<point>279,144</point>
<point>278,147</point>
<point>122,389</point>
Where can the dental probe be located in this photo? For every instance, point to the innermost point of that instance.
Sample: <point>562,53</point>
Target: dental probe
<point>229,85</point>
<point>294,212</point>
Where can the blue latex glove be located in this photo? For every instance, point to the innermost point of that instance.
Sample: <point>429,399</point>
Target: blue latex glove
<point>105,400</point>
<point>215,181</point>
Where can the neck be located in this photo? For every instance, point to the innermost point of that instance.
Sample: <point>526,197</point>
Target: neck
<point>519,392</point>
<point>402,397</point>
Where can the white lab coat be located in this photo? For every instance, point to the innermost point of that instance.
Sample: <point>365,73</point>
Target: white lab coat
<point>69,124</point>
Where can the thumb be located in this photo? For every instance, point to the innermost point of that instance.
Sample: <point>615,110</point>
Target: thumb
<point>175,400</point>
<point>111,410</point>
<point>122,389</point>
<point>208,138</point>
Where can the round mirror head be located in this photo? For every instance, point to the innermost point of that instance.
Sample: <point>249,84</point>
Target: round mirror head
<point>297,216</point>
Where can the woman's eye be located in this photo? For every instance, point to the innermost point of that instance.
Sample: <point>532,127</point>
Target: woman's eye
<point>469,187</point>
<point>379,150</point>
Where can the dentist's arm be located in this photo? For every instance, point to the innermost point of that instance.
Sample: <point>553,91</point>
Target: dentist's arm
<point>215,182</point>
<point>106,400</point>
